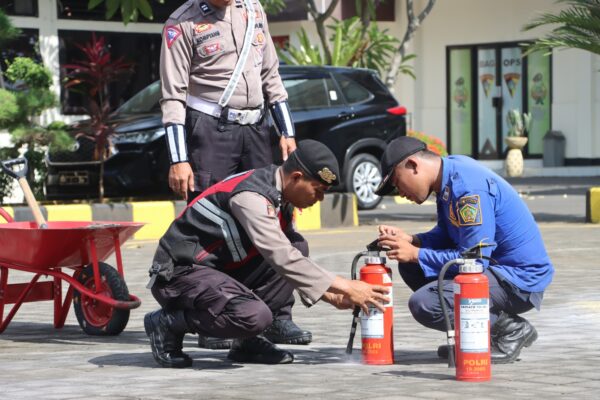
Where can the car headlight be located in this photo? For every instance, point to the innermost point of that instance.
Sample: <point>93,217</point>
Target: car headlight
<point>138,137</point>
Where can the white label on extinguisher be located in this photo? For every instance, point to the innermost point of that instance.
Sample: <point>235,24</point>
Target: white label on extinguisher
<point>474,320</point>
<point>371,326</point>
<point>387,278</point>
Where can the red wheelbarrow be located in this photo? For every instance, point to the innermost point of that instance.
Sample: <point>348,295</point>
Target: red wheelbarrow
<point>98,292</point>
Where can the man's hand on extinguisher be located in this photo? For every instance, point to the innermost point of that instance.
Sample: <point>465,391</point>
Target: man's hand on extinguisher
<point>360,293</point>
<point>400,249</point>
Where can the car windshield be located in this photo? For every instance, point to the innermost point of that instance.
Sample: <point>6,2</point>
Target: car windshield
<point>144,102</point>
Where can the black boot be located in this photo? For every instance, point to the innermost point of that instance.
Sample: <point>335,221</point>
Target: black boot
<point>260,350</point>
<point>166,331</point>
<point>285,331</point>
<point>213,343</point>
<point>509,335</point>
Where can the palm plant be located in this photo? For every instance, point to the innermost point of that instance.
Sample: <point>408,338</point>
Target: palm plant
<point>91,77</point>
<point>350,47</point>
<point>578,27</point>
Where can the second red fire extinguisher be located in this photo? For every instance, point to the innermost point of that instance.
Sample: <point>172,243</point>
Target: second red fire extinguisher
<point>469,341</point>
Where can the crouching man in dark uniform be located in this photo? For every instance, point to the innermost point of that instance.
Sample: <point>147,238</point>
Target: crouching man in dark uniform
<point>230,262</point>
<point>473,205</point>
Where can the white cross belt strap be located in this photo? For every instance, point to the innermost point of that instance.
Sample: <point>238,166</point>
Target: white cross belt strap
<point>241,62</point>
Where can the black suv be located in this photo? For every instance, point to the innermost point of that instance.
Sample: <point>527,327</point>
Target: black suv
<point>349,110</point>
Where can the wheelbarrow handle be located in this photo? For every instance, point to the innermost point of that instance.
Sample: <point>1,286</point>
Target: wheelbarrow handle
<point>8,167</point>
<point>11,168</point>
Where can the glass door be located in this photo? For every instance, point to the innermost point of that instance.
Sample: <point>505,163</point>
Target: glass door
<point>485,82</point>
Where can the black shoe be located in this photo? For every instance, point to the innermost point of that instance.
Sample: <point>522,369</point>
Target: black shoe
<point>258,350</point>
<point>442,351</point>
<point>213,343</point>
<point>509,335</point>
<point>165,341</point>
<point>285,331</point>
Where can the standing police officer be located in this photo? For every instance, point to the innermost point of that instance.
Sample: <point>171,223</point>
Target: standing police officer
<point>473,205</point>
<point>218,67</point>
<point>232,259</point>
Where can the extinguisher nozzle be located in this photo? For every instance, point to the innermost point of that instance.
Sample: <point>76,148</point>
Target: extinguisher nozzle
<point>451,362</point>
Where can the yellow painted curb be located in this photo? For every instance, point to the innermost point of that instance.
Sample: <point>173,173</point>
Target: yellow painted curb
<point>354,210</point>
<point>308,218</point>
<point>593,205</point>
<point>10,212</point>
<point>157,215</point>
<point>71,212</point>
<point>402,200</point>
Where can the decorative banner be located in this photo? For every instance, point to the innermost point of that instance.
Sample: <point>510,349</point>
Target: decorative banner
<point>461,100</point>
<point>538,99</point>
<point>486,66</point>
<point>512,93</point>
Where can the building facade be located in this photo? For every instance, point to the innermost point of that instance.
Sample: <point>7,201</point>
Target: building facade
<point>469,67</point>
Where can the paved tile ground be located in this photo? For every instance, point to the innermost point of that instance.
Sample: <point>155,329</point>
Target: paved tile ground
<point>39,362</point>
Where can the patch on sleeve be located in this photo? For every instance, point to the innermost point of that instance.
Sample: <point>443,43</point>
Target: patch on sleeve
<point>171,34</point>
<point>452,215</point>
<point>469,211</point>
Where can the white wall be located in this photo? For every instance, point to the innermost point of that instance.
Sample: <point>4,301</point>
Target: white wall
<point>576,80</point>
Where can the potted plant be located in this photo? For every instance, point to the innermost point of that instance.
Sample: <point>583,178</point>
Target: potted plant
<point>518,126</point>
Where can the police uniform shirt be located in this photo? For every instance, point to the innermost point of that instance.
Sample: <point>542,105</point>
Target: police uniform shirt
<point>200,49</point>
<point>259,219</point>
<point>475,205</point>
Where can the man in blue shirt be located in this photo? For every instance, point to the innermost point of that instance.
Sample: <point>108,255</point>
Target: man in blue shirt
<point>473,205</point>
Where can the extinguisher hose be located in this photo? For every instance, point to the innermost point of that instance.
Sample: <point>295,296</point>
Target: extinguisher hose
<point>356,309</point>
<point>449,329</point>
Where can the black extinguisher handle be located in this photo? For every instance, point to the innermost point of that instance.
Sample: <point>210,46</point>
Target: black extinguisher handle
<point>356,311</point>
<point>449,329</point>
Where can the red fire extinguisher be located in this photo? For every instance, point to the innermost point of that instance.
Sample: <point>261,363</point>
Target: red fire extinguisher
<point>377,328</point>
<point>470,351</point>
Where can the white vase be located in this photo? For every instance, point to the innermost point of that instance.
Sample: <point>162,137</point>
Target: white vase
<point>513,165</point>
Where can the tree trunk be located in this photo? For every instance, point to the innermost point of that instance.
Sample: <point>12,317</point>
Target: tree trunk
<point>413,25</point>
<point>320,19</point>
<point>1,78</point>
<point>101,180</point>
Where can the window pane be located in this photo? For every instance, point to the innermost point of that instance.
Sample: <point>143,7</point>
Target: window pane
<point>27,8</point>
<point>26,45</point>
<point>78,9</point>
<point>353,91</point>
<point>385,11</point>
<point>143,50</point>
<point>294,10</point>
<point>538,99</point>
<point>307,94</point>
<point>460,97</point>
<point>146,101</point>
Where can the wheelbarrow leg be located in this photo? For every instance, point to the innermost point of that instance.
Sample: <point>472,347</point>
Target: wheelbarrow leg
<point>19,301</point>
<point>96,268</point>
<point>3,287</point>
<point>118,255</point>
<point>61,309</point>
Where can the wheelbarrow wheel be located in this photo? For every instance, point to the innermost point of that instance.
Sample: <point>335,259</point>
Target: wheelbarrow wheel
<point>95,317</point>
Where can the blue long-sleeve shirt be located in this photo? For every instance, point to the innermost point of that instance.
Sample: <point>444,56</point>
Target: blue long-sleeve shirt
<point>474,205</point>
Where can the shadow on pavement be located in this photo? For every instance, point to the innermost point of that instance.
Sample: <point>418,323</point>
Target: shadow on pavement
<point>32,332</point>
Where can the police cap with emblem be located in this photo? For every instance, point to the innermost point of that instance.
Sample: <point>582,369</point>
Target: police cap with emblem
<point>317,161</point>
<point>396,152</point>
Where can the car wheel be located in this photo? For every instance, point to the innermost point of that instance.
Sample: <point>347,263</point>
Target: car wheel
<point>362,179</point>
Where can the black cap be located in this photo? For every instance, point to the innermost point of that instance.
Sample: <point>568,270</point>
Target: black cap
<point>317,161</point>
<point>396,151</point>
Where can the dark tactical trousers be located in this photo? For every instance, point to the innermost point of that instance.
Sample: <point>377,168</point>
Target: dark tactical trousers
<point>424,303</point>
<point>237,304</point>
<point>217,153</point>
